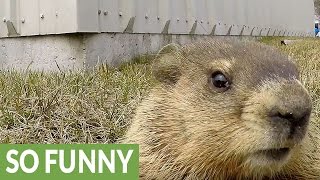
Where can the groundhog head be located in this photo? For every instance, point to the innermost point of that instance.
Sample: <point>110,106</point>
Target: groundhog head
<point>227,107</point>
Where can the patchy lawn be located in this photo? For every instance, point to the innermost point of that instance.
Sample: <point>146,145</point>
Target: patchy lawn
<point>74,107</point>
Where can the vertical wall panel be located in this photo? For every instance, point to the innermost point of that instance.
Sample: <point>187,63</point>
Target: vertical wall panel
<point>237,15</point>
<point>191,18</point>
<point>57,16</point>
<point>87,15</point>
<point>4,15</point>
<point>66,16</point>
<point>179,21</point>
<point>47,9</point>
<point>110,19</point>
<point>126,12</point>
<point>201,14</point>
<point>15,14</point>
<point>218,8</point>
<point>164,14</point>
<point>147,17</point>
<point>29,11</point>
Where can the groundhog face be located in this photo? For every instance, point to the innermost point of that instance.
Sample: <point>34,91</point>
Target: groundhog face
<point>240,105</point>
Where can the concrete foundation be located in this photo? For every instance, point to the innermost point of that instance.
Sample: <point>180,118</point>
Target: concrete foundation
<point>79,51</point>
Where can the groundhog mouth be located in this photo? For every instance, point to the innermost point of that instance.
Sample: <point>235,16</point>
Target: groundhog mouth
<point>275,154</point>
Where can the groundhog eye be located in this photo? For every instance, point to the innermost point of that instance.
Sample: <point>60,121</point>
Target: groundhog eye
<point>219,80</point>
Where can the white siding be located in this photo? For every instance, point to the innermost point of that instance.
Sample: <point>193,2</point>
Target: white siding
<point>209,17</point>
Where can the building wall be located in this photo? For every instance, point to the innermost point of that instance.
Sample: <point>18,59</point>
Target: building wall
<point>210,17</point>
<point>113,31</point>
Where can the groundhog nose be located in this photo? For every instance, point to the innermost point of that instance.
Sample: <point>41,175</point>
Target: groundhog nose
<point>294,115</point>
<point>296,118</point>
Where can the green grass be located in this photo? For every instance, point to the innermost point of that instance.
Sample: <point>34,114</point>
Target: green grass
<point>73,107</point>
<point>97,106</point>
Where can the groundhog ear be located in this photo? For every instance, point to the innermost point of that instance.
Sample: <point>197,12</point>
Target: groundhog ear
<point>167,68</point>
<point>169,48</point>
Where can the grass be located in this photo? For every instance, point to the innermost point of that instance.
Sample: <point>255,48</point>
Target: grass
<point>97,106</point>
<point>73,107</point>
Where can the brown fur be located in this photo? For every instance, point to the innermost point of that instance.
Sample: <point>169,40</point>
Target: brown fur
<point>188,129</point>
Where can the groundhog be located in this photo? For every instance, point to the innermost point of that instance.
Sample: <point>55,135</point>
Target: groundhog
<point>226,109</point>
